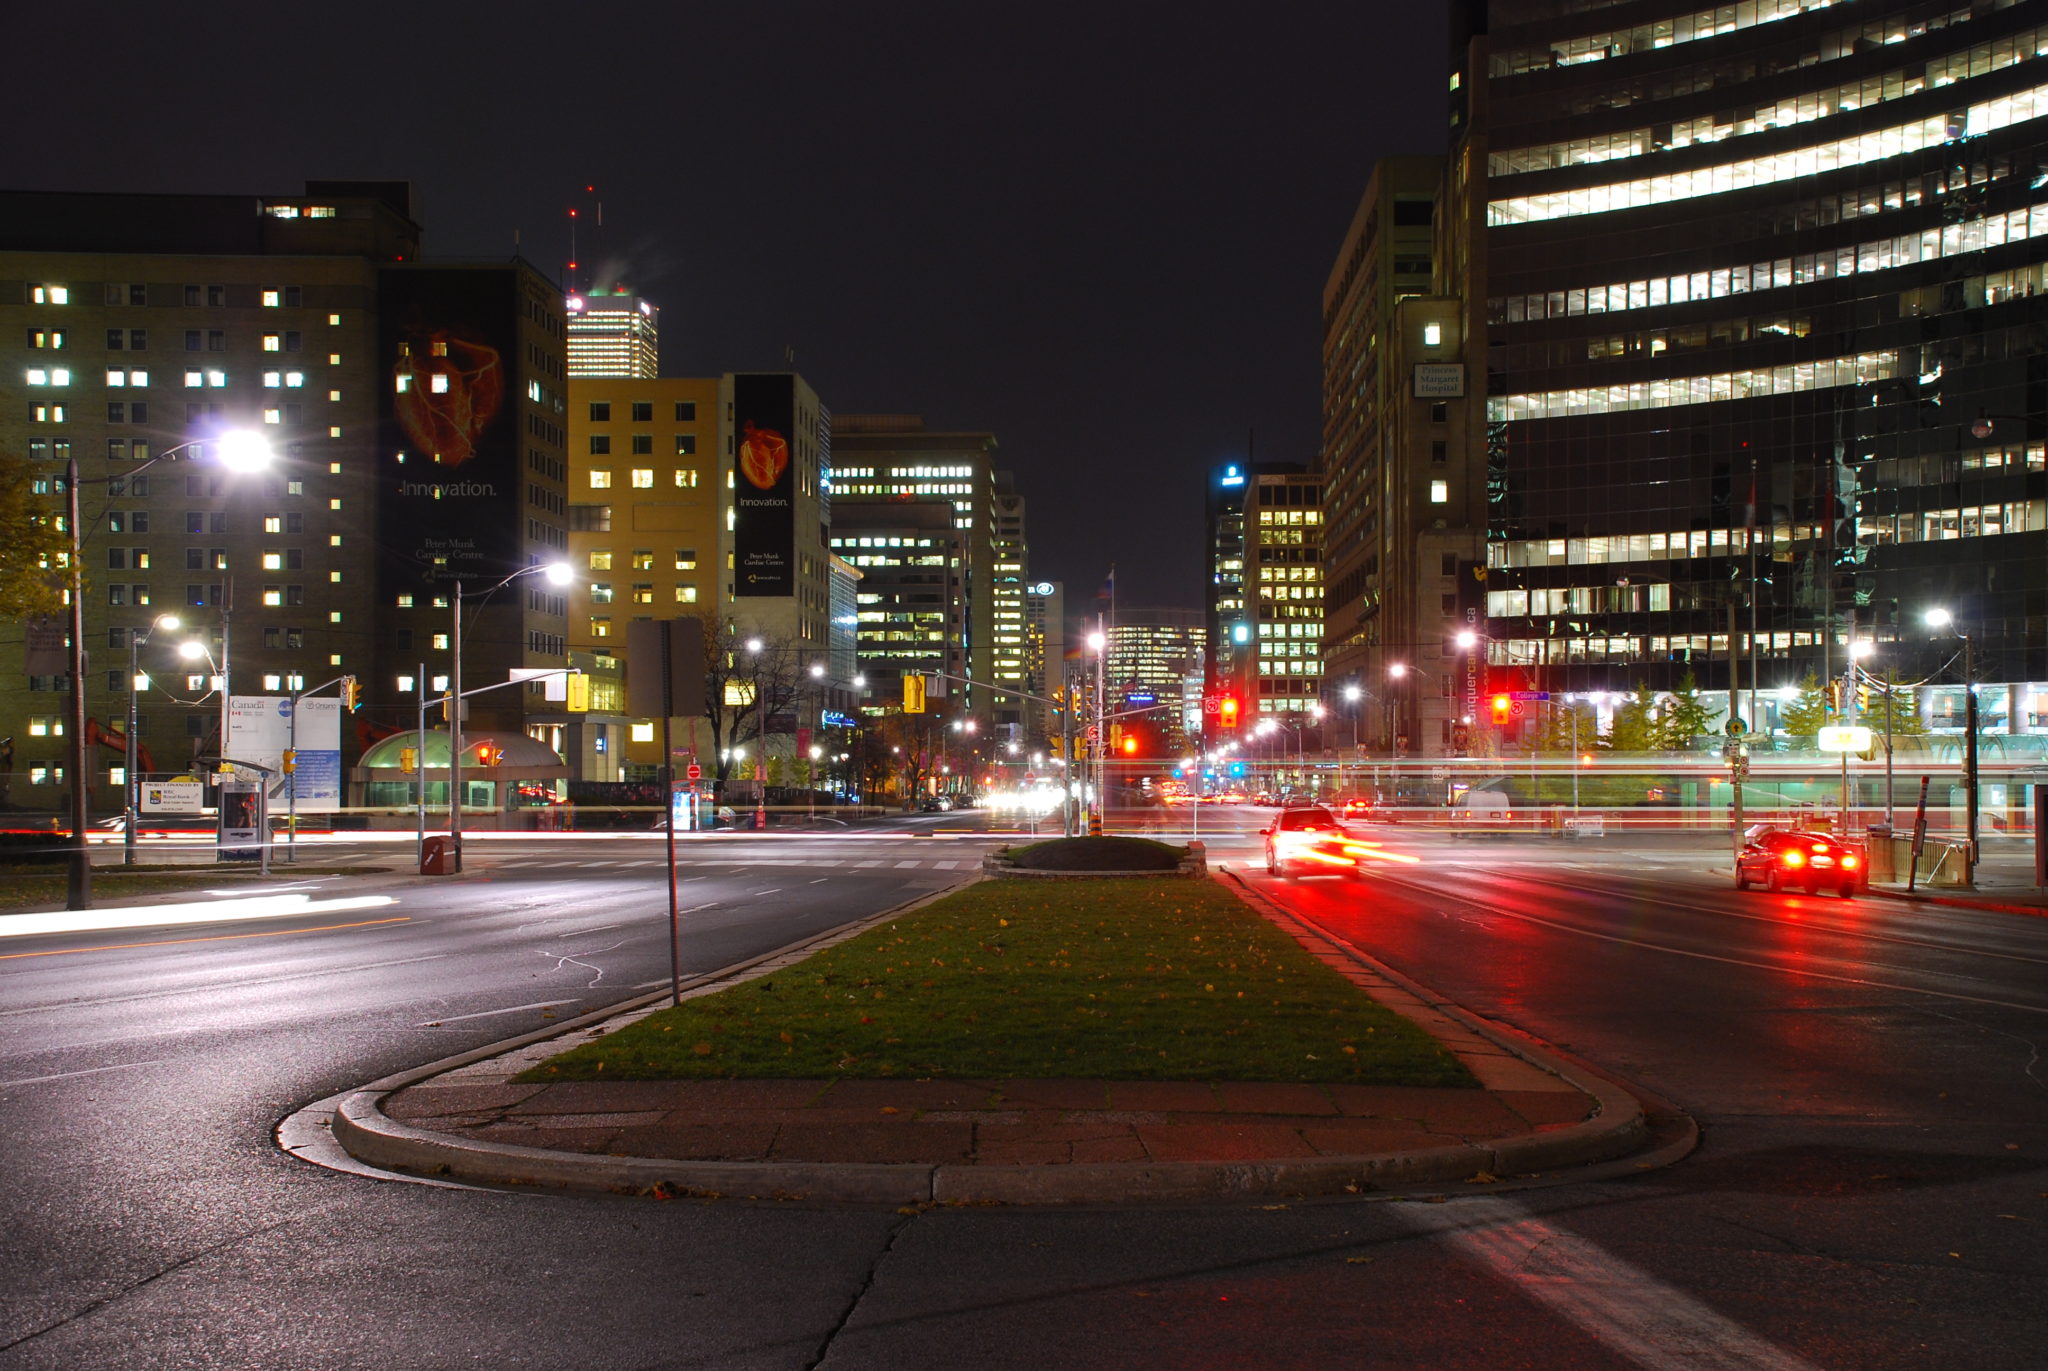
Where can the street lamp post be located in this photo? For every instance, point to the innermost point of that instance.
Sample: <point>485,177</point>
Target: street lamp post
<point>129,783</point>
<point>760,742</point>
<point>558,574</point>
<point>1941,618</point>
<point>237,451</point>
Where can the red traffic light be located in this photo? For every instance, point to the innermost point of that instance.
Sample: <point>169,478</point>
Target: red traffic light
<point>1130,745</point>
<point>1226,711</point>
<point>1503,706</point>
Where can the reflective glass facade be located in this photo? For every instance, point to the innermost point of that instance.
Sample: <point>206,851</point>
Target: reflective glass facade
<point>1767,344</point>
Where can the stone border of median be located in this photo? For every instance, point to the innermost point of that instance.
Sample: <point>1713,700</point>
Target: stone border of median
<point>1616,1128</point>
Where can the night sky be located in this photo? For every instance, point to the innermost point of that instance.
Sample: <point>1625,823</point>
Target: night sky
<point>1099,231</point>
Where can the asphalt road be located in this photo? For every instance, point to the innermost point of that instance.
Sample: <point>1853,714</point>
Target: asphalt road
<point>1869,1192</point>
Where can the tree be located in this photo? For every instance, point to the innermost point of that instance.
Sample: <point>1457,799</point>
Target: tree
<point>1634,727</point>
<point>34,547</point>
<point>738,681</point>
<point>1805,715</point>
<point>1685,717</point>
<point>1900,702</point>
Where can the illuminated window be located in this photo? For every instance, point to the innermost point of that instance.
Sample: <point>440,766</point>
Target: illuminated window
<point>642,733</point>
<point>1432,334</point>
<point>1439,492</point>
<point>686,478</point>
<point>600,628</point>
<point>601,561</point>
<point>49,295</point>
<point>643,593</point>
<point>643,478</point>
<point>686,595</point>
<point>600,480</point>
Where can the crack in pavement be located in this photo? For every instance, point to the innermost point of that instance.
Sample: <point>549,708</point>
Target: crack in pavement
<point>570,959</point>
<point>105,1301</point>
<point>860,1293</point>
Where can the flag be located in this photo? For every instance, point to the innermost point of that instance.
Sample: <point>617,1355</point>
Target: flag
<point>1108,591</point>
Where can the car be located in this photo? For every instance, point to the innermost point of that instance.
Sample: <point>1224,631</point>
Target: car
<point>936,804</point>
<point>1775,857</point>
<point>1309,837</point>
<point>1371,810</point>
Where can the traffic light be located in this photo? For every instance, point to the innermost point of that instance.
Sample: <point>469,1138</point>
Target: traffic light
<point>1503,710</point>
<point>408,760</point>
<point>1130,745</point>
<point>447,706</point>
<point>351,694</point>
<point>290,762</point>
<point>1226,711</point>
<point>487,755</point>
<point>576,693</point>
<point>913,694</point>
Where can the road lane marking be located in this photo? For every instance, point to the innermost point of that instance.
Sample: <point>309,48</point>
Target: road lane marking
<point>1626,1309</point>
<point>771,890</point>
<point>215,986</point>
<point>217,938</point>
<point>821,880</point>
<point>876,862</point>
<point>901,865</point>
<point>492,1013</point>
<point>69,1075</point>
<point>945,866</point>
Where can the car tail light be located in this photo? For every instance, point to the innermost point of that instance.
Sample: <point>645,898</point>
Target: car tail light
<point>1794,857</point>
<point>1848,862</point>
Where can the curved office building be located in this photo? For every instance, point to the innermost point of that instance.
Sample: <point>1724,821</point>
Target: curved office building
<point>1766,338</point>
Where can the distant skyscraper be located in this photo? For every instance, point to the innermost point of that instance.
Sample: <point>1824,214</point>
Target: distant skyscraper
<point>614,335</point>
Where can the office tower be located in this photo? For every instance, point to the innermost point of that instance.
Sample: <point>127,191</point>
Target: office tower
<point>1761,296</point>
<point>1405,491</point>
<point>1009,656</point>
<point>933,493</point>
<point>613,334</point>
<point>1151,654</point>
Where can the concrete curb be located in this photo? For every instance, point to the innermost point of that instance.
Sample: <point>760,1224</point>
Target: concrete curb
<point>1617,1128</point>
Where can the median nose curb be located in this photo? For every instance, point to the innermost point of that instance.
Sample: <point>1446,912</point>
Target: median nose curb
<point>999,1142</point>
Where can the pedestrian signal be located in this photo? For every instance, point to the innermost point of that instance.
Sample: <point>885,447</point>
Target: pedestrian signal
<point>577,691</point>
<point>290,762</point>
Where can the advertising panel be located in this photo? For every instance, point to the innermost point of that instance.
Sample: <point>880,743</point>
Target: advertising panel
<point>764,485</point>
<point>260,730</point>
<point>449,476</point>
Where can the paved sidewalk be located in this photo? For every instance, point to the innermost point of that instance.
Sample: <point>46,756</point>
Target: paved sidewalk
<point>1011,1141</point>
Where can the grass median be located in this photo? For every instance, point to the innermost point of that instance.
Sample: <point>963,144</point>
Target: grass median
<point>1114,979</point>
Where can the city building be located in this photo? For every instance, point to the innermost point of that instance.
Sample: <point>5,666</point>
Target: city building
<point>1404,489</point>
<point>139,329</point>
<point>1760,294</point>
<point>1010,655</point>
<point>698,496</point>
<point>1045,621</point>
<point>1152,654</point>
<point>646,538</point>
<point>886,465</point>
<point>613,334</point>
<point>1265,610</point>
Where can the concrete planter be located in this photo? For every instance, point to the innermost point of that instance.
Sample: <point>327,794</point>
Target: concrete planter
<point>1194,864</point>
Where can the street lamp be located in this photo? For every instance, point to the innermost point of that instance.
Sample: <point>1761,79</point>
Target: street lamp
<point>1941,618</point>
<point>168,623</point>
<point>558,574</point>
<point>236,451</point>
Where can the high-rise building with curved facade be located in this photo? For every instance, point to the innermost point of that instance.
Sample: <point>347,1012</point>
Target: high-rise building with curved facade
<point>1760,288</point>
